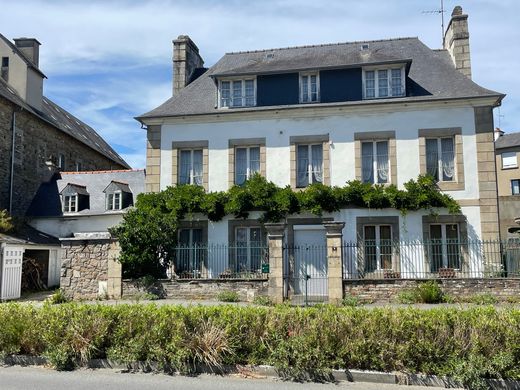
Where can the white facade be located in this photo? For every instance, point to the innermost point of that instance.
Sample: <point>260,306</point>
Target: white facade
<point>67,226</point>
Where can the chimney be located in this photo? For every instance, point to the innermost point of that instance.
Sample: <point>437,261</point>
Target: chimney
<point>30,47</point>
<point>186,60</point>
<point>456,41</point>
<point>498,133</point>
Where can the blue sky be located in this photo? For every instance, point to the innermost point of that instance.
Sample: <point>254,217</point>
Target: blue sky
<point>109,61</point>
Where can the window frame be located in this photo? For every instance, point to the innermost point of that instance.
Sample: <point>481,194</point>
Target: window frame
<point>374,160</point>
<point>248,247</point>
<point>309,88</point>
<point>439,158</point>
<point>378,245</point>
<point>444,244</point>
<point>376,70</point>
<point>513,187</point>
<point>61,161</point>
<point>248,161</point>
<point>67,203</point>
<point>512,154</point>
<point>243,98</point>
<point>112,206</point>
<point>309,163</point>
<point>192,175</point>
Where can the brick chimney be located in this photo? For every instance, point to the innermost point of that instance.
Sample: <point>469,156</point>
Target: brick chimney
<point>186,60</point>
<point>456,41</point>
<point>30,47</point>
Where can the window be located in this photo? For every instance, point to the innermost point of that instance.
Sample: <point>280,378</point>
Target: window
<point>5,62</point>
<point>515,187</point>
<point>440,158</point>
<point>309,88</point>
<point>247,163</point>
<point>4,71</point>
<point>249,249</point>
<point>78,166</point>
<point>113,201</point>
<point>70,203</point>
<point>61,161</point>
<point>190,253</point>
<point>509,160</point>
<point>237,93</point>
<point>444,246</point>
<point>190,167</point>
<point>378,247</point>
<point>375,165</point>
<point>309,164</point>
<point>381,83</point>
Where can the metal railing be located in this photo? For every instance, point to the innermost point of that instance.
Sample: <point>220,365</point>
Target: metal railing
<point>387,259</point>
<point>220,261</point>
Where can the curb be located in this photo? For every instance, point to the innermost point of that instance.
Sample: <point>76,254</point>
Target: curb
<point>265,371</point>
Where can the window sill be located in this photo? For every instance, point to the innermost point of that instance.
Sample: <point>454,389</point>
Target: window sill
<point>451,185</point>
<point>508,168</point>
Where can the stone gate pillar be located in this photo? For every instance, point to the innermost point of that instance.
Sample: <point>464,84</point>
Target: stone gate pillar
<point>335,260</point>
<point>275,235</point>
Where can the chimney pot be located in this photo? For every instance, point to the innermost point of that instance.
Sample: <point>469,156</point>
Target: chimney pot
<point>457,11</point>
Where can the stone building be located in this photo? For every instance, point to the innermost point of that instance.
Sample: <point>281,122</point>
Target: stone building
<point>38,137</point>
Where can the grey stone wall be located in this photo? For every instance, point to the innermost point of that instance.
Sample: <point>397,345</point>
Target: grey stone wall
<point>388,290</point>
<point>36,141</point>
<point>198,289</point>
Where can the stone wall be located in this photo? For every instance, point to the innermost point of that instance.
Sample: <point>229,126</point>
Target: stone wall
<point>87,269</point>
<point>198,289</point>
<point>36,141</point>
<point>388,290</point>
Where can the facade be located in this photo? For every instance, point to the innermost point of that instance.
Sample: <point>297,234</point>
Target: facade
<point>507,148</point>
<point>38,136</point>
<point>381,112</point>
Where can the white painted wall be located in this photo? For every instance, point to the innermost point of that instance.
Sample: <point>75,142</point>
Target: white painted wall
<point>65,227</point>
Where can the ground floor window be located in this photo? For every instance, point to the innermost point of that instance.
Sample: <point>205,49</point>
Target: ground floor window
<point>378,247</point>
<point>250,248</point>
<point>444,246</point>
<point>190,253</point>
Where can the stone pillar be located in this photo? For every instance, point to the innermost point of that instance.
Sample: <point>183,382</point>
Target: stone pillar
<point>115,272</point>
<point>335,260</point>
<point>275,234</point>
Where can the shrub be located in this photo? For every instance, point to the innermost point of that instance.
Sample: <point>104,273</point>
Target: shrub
<point>58,297</point>
<point>483,299</point>
<point>6,223</point>
<point>425,292</point>
<point>350,300</point>
<point>228,296</point>
<point>262,300</point>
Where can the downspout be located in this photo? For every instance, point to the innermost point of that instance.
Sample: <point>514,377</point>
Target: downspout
<point>11,173</point>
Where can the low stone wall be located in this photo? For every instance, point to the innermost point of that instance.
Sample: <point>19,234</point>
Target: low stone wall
<point>198,289</point>
<point>385,290</point>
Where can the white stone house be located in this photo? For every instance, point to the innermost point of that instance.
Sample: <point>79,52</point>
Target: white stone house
<point>380,111</point>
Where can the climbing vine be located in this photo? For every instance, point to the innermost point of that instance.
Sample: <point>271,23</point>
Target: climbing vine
<point>148,231</point>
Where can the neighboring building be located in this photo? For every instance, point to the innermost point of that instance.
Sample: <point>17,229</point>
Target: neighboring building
<point>507,150</point>
<point>36,135</point>
<point>380,111</point>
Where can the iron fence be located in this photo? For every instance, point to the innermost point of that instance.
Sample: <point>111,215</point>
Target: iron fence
<point>220,261</point>
<point>431,259</point>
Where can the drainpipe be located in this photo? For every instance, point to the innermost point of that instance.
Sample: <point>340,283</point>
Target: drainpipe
<point>11,173</point>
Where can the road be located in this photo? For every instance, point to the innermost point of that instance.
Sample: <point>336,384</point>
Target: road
<point>38,378</point>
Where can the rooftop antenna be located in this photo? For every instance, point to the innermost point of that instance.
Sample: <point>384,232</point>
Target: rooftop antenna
<point>500,116</point>
<point>440,11</point>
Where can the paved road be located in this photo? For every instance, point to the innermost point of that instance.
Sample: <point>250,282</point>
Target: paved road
<point>37,378</point>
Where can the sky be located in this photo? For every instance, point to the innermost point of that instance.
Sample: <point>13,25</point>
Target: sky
<point>108,61</point>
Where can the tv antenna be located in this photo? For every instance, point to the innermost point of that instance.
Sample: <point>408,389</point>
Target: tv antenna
<point>440,11</point>
<point>500,116</point>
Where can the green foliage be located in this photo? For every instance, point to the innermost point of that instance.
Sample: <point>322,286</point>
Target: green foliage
<point>302,343</point>
<point>425,292</point>
<point>147,234</point>
<point>262,300</point>
<point>58,297</point>
<point>350,300</point>
<point>6,223</point>
<point>483,299</point>
<point>228,296</point>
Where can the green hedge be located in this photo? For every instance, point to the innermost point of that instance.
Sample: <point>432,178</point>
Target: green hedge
<point>465,344</point>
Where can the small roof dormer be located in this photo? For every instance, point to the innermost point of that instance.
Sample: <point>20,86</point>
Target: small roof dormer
<point>74,198</point>
<point>118,196</point>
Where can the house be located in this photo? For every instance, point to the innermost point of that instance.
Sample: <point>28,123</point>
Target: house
<point>507,149</point>
<point>382,112</point>
<point>37,135</point>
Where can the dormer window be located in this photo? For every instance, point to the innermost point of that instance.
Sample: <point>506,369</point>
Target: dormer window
<point>70,204</point>
<point>237,93</point>
<point>309,87</point>
<point>75,198</point>
<point>383,83</point>
<point>118,196</point>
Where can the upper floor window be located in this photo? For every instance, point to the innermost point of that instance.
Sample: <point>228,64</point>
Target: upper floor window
<point>309,164</point>
<point>75,198</point>
<point>382,83</point>
<point>118,196</point>
<point>309,87</point>
<point>190,167</point>
<point>515,187</point>
<point>61,161</point>
<point>237,93</point>
<point>247,163</point>
<point>440,158</point>
<point>375,164</point>
<point>509,160</point>
<point>78,166</point>
<point>4,71</point>
<point>70,203</point>
<point>113,201</point>
<point>5,62</point>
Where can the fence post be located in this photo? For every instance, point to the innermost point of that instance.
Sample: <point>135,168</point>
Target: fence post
<point>275,234</point>
<point>335,260</point>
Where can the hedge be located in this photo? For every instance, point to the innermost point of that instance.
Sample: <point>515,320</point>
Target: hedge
<point>465,344</point>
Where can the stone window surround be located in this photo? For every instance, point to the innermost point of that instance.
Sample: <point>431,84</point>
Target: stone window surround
<point>310,139</point>
<point>455,132</point>
<point>389,136</point>
<point>245,142</point>
<point>182,145</point>
<point>393,221</point>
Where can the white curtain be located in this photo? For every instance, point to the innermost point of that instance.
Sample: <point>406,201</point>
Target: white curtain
<point>448,159</point>
<point>317,163</point>
<point>432,158</point>
<point>382,162</point>
<point>254,160</point>
<point>185,167</point>
<point>197,167</point>
<point>302,171</point>
<point>367,162</point>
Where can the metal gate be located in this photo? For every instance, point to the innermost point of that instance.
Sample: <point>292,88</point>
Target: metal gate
<point>11,272</point>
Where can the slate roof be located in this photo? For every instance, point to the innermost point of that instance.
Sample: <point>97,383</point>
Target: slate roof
<point>65,122</point>
<point>27,235</point>
<point>47,202</point>
<point>508,140</point>
<point>432,74</point>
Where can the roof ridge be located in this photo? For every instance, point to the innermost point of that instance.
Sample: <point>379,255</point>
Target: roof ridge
<point>321,45</point>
